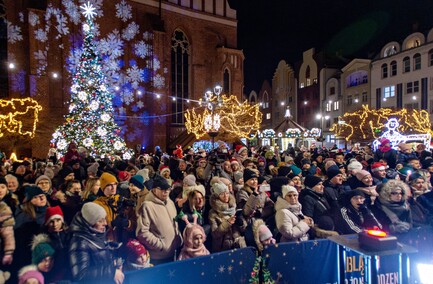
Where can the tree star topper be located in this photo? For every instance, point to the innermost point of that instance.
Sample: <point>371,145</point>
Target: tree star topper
<point>89,10</point>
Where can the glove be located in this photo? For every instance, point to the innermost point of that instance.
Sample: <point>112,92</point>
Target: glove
<point>120,222</point>
<point>400,227</point>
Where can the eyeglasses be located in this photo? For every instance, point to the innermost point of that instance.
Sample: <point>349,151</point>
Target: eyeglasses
<point>396,193</point>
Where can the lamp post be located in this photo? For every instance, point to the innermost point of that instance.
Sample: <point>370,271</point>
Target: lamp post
<point>322,118</point>
<point>212,121</point>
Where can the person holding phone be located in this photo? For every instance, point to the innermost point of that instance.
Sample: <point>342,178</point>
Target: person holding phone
<point>291,223</point>
<point>226,233</point>
<point>253,200</point>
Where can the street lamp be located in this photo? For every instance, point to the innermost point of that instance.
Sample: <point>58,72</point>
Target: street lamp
<point>322,119</point>
<point>212,121</point>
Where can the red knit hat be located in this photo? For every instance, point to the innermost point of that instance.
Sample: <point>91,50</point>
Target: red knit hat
<point>53,213</point>
<point>135,248</point>
<point>124,175</point>
<point>240,148</point>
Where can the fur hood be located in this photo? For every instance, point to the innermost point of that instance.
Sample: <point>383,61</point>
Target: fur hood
<point>220,206</point>
<point>385,189</point>
<point>256,224</point>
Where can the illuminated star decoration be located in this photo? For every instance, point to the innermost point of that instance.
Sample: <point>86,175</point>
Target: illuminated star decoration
<point>221,269</point>
<point>89,10</point>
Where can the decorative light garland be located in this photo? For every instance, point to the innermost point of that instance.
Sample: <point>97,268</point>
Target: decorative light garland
<point>368,124</point>
<point>236,119</point>
<point>14,111</point>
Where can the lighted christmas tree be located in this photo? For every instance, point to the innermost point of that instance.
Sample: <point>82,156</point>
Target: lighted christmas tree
<point>90,122</point>
<point>260,273</point>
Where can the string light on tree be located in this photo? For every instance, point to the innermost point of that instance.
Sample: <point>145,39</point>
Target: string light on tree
<point>236,119</point>
<point>19,116</point>
<point>90,122</point>
<point>368,124</point>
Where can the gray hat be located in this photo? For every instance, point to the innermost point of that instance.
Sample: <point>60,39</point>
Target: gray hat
<point>93,212</point>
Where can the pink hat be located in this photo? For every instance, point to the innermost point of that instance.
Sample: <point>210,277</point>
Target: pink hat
<point>360,174</point>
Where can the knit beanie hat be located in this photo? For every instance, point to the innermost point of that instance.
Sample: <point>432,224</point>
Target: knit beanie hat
<point>93,212</point>
<point>296,170</point>
<point>332,171</point>
<point>249,174</point>
<point>93,168</point>
<point>200,188</point>
<point>311,181</point>
<point>284,171</point>
<point>49,173</point>
<point>107,178</point>
<point>189,180</point>
<point>264,233</point>
<point>347,196</point>
<point>144,173</point>
<point>360,174</point>
<point>285,189</point>
<point>238,176</point>
<point>138,181</point>
<point>164,169</point>
<point>31,191</point>
<point>3,181</point>
<point>354,165</point>
<point>160,182</point>
<point>41,248</point>
<point>65,171</point>
<point>53,213</point>
<point>29,272</point>
<point>190,232</point>
<point>135,249</point>
<point>219,187</point>
<point>413,177</point>
<point>377,166</point>
<point>43,177</point>
<point>124,175</point>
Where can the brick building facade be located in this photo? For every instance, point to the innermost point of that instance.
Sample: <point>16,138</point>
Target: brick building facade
<point>189,47</point>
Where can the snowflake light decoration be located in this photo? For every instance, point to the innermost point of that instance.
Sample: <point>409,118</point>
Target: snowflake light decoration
<point>88,10</point>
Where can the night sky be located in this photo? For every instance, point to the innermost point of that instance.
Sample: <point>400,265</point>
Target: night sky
<point>272,30</point>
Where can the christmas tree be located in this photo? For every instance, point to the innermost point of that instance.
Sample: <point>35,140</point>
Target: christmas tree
<point>261,273</point>
<point>90,122</point>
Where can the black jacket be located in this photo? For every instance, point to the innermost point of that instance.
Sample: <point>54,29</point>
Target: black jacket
<point>89,256</point>
<point>314,204</point>
<point>352,221</point>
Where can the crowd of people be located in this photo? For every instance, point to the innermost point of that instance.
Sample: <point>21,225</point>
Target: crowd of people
<point>82,219</point>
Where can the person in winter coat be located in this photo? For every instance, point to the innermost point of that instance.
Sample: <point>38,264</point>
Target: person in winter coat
<point>57,232</point>
<point>391,208</point>
<point>385,152</point>
<point>314,203</point>
<point>194,238</point>
<point>156,228</point>
<point>364,183</point>
<point>226,232</point>
<point>90,258</point>
<point>196,204</point>
<point>29,218</point>
<point>355,215</point>
<point>291,223</point>
<point>7,233</point>
<point>253,202</point>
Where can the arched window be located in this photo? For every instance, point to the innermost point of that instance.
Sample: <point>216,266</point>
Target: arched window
<point>430,57</point>
<point>390,51</point>
<point>180,52</point>
<point>417,61</point>
<point>384,70</point>
<point>226,85</point>
<point>406,64</point>
<point>307,76</point>
<point>393,66</point>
